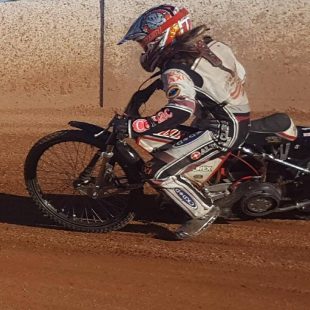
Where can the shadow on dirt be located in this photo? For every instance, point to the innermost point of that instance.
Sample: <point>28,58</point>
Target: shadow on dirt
<point>20,210</point>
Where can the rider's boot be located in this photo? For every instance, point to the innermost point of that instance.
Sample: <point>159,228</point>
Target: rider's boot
<point>196,226</point>
<point>201,210</point>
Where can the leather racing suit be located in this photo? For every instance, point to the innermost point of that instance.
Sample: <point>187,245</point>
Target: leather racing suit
<point>213,81</point>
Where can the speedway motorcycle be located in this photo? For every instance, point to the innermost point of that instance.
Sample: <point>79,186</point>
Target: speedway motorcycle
<point>89,178</point>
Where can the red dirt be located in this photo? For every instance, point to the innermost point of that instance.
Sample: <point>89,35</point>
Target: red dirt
<point>49,76</point>
<point>243,265</point>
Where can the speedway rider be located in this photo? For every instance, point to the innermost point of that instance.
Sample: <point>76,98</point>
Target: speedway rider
<point>200,76</point>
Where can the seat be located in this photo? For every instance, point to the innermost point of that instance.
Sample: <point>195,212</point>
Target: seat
<point>274,123</point>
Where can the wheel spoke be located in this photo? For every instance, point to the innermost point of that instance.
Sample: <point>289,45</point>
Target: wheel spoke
<point>49,164</point>
<point>95,215</point>
<point>57,158</point>
<point>58,168</point>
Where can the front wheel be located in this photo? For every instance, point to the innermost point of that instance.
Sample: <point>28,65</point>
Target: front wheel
<point>53,170</point>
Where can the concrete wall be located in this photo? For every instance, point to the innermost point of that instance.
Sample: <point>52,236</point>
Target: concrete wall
<point>50,49</point>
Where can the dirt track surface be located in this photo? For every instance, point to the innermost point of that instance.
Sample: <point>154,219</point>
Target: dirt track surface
<point>238,265</point>
<point>49,75</point>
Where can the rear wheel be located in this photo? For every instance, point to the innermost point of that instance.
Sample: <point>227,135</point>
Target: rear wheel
<point>53,171</point>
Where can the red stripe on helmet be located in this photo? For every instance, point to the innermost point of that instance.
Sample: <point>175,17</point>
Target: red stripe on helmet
<point>159,30</point>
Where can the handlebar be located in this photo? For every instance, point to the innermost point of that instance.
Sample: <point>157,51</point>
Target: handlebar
<point>132,109</point>
<point>140,97</point>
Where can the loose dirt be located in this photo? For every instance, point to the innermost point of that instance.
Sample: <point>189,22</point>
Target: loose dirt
<point>49,75</point>
<point>238,265</point>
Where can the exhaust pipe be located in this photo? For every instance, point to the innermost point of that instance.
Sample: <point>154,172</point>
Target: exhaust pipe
<point>298,205</point>
<point>279,161</point>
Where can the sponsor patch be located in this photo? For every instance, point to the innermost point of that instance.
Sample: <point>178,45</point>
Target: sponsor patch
<point>175,76</point>
<point>186,198</point>
<point>203,169</point>
<point>173,92</point>
<point>195,155</point>
<point>188,139</point>
<point>170,133</point>
<point>162,116</point>
<point>210,147</point>
<point>140,125</point>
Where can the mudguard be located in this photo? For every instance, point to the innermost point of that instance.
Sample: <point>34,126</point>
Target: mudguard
<point>90,128</point>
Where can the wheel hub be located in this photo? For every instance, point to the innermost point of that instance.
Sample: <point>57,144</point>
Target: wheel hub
<point>260,204</point>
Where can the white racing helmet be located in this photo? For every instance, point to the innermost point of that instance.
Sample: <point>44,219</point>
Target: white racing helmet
<point>155,29</point>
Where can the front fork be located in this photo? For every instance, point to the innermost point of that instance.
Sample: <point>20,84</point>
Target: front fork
<point>104,171</point>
